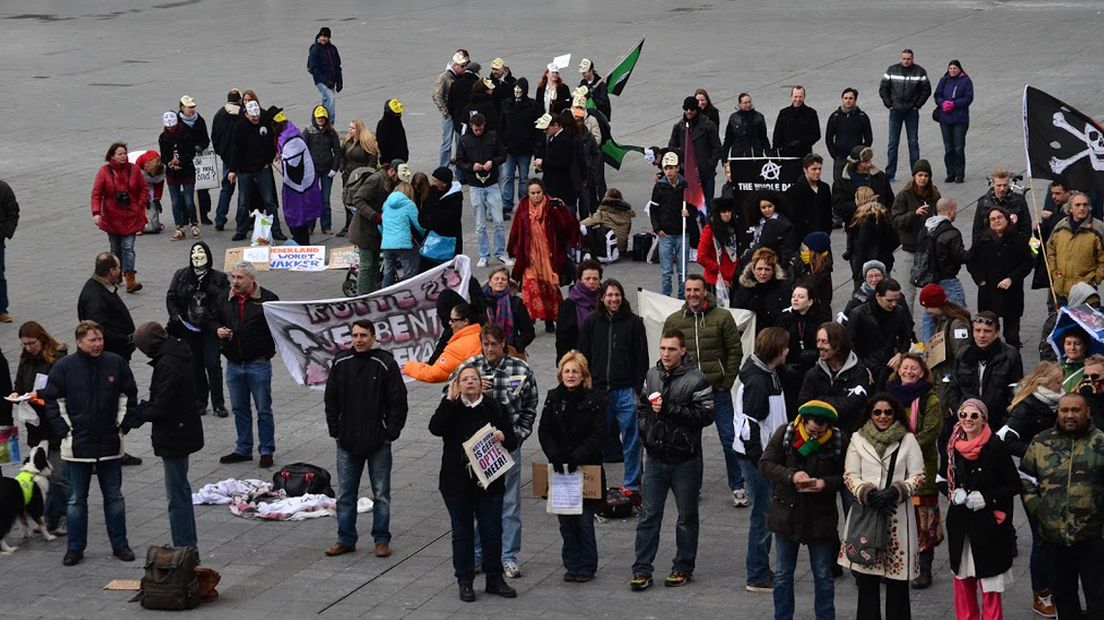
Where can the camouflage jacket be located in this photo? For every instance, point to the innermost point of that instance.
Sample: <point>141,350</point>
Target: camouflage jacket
<point>1063,485</point>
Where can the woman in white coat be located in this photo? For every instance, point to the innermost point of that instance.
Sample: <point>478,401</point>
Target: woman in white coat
<point>883,435</point>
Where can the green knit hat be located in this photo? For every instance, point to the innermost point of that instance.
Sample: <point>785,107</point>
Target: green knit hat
<point>819,409</point>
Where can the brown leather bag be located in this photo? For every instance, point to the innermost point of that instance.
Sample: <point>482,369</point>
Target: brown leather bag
<point>208,579</point>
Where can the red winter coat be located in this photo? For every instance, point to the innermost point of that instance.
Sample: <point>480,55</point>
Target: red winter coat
<point>707,258</point>
<point>561,228</point>
<point>116,219</point>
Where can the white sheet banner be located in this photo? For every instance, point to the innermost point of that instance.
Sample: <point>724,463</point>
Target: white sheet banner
<point>655,308</point>
<point>309,334</point>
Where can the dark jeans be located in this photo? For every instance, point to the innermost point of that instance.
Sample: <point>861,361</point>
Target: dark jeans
<point>822,557</point>
<point>760,491</point>
<point>1067,566</point>
<point>3,282</point>
<point>350,468</point>
<point>684,481</point>
<point>1037,565</point>
<point>223,208</point>
<point>464,511</point>
<point>870,598</point>
<point>256,190</point>
<point>206,367</point>
<point>109,473</point>
<point>580,549</point>
<point>203,201</point>
<point>179,493</point>
<point>327,187</point>
<point>183,204</point>
<point>954,149</point>
<point>58,495</point>
<point>911,121</point>
<point>723,417</point>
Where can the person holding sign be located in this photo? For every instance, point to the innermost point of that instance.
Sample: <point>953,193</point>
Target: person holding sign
<point>678,405</point>
<point>572,433</point>
<point>462,412</point>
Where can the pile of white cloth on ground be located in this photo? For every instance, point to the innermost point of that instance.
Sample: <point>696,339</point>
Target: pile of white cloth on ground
<point>255,499</point>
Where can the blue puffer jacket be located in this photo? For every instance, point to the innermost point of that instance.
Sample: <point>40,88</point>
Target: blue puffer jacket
<point>84,404</point>
<point>400,214</point>
<point>960,90</point>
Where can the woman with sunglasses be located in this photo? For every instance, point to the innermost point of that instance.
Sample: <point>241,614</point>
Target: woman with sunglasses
<point>883,437</point>
<point>981,483</point>
<point>912,386</point>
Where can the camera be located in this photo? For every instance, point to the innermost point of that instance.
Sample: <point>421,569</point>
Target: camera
<point>123,198</point>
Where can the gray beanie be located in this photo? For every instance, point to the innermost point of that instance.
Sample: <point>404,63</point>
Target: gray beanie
<point>873,264</point>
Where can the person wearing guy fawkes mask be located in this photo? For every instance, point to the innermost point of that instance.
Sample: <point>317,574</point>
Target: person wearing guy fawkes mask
<point>517,132</point>
<point>1092,388</point>
<point>249,160</point>
<point>192,297</point>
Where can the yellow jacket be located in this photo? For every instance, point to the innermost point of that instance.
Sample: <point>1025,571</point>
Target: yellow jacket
<point>1076,255</point>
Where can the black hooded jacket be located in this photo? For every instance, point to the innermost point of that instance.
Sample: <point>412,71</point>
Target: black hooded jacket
<point>391,136</point>
<point>194,296</point>
<point>177,430</point>
<point>517,127</point>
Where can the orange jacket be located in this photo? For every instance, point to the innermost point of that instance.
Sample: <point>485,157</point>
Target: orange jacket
<point>463,344</point>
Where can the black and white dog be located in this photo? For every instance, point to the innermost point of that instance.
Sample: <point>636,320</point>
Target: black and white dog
<point>24,497</point>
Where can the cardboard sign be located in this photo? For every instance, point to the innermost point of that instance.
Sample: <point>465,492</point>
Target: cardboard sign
<point>297,257</point>
<point>592,481</point>
<point>343,258</point>
<point>207,172</point>
<point>488,459</point>
<point>237,255</point>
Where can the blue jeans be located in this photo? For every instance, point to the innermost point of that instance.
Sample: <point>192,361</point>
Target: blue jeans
<point>621,423</point>
<point>122,246</point>
<point>670,261</point>
<point>179,492</point>
<point>580,548</point>
<point>447,136</point>
<point>206,367</point>
<point>223,208</point>
<point>109,473</point>
<point>911,121</point>
<point>350,467</point>
<point>327,189</point>
<point>183,204</point>
<point>250,183</point>
<point>684,480</point>
<point>822,556</point>
<point>760,491</point>
<point>954,148</point>
<point>515,164</point>
<point>3,282</point>
<point>487,510</point>
<point>955,293</point>
<point>1037,565</point>
<point>328,100</point>
<point>726,432</point>
<point>510,534</point>
<point>399,260</point>
<point>253,378</point>
<point>482,199</point>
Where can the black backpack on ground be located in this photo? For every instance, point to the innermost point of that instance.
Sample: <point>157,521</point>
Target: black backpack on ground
<point>616,505</point>
<point>302,478</point>
<point>170,581</point>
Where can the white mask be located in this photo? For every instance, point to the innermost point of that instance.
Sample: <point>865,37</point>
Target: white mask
<point>169,119</point>
<point>253,108</point>
<point>199,257</point>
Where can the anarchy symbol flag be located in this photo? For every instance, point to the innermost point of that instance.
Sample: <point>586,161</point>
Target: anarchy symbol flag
<point>1061,142</point>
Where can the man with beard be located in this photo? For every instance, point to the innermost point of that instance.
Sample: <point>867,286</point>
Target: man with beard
<point>704,140</point>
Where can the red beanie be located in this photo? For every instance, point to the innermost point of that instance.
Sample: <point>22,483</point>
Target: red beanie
<point>932,296</point>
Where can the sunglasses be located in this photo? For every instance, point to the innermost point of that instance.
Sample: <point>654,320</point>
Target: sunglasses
<point>881,412</point>
<point>984,321</point>
<point>973,415</point>
<point>454,320</point>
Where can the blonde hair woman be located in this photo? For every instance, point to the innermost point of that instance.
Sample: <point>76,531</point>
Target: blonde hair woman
<point>870,234</point>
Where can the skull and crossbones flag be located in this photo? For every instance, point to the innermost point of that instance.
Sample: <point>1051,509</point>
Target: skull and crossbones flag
<point>1062,142</point>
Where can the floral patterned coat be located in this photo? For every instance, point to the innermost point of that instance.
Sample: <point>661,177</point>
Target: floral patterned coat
<point>865,471</point>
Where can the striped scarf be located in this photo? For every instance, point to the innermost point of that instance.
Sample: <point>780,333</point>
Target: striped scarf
<point>802,442</point>
<point>502,312</point>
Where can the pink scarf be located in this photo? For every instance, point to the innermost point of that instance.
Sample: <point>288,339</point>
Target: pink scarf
<point>970,449</point>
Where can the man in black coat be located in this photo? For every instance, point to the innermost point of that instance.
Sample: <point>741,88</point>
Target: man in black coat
<point>222,127</point>
<point>881,330</point>
<point>847,128</point>
<point>519,133</point>
<point>555,158</point>
<point>9,219</point>
<point>1001,195</point>
<point>797,128</point>
<point>365,411</point>
<point>177,429</point>
<point>987,369</point>
<point>810,199</point>
<point>596,86</point>
<point>480,155</point>
<point>706,142</point>
<point>249,164</point>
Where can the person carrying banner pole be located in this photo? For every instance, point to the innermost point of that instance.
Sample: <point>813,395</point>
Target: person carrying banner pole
<point>682,269</point>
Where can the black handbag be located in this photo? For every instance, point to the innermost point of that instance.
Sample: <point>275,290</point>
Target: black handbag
<point>868,529</point>
<point>302,478</point>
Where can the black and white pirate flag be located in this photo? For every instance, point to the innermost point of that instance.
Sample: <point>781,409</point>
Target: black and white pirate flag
<point>1062,142</point>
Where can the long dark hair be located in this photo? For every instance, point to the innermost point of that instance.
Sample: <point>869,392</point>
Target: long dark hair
<point>899,414</point>
<point>724,231</point>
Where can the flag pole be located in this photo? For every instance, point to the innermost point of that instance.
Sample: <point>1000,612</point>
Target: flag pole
<point>682,270</point>
<point>1042,245</point>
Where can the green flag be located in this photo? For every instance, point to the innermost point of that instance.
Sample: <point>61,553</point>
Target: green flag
<point>614,153</point>
<point>619,75</point>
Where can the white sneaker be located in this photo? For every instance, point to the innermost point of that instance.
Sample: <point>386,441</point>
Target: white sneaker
<point>506,260</point>
<point>482,262</point>
<point>739,498</point>
<point>511,570</point>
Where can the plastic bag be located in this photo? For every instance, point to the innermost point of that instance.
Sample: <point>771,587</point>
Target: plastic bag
<point>26,414</point>
<point>722,293</point>
<point>262,228</point>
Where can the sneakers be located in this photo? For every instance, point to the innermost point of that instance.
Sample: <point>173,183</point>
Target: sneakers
<point>676,579</point>
<point>739,498</point>
<point>500,588</point>
<point>483,261</point>
<point>266,460</point>
<point>234,457</point>
<point>1043,605</point>
<point>383,550</point>
<point>760,586</point>
<point>511,570</point>
<point>505,260</point>
<point>72,558</point>
<point>221,412</point>
<point>123,553</point>
<point>640,582</point>
<point>57,526</point>
<point>339,549</point>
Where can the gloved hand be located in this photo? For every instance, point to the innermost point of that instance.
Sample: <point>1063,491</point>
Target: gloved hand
<point>571,468</point>
<point>558,468</point>
<point>959,497</point>
<point>948,105</point>
<point>975,501</point>
<point>332,173</point>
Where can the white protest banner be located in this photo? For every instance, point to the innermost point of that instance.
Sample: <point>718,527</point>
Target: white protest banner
<point>655,308</point>
<point>309,334</point>
<point>207,172</point>
<point>489,460</point>
<point>297,257</point>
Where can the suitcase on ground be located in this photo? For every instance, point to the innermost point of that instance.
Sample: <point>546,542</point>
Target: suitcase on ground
<point>642,246</point>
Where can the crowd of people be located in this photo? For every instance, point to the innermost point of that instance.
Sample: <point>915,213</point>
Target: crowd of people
<point>862,405</point>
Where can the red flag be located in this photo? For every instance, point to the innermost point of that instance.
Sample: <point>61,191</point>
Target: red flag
<point>693,195</point>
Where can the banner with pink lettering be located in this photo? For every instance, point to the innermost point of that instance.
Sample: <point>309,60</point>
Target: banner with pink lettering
<point>309,334</point>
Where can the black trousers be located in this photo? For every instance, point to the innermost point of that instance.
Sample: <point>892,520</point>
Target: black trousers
<point>1067,566</point>
<point>870,598</point>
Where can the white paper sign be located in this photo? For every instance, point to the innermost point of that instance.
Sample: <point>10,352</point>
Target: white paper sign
<point>565,492</point>
<point>207,172</point>
<point>488,459</point>
<point>40,381</point>
<point>258,254</point>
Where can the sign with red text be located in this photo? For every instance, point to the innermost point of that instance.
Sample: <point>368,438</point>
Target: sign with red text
<point>488,459</point>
